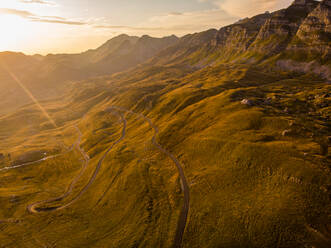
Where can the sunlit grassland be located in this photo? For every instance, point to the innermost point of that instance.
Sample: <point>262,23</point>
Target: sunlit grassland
<point>251,186</point>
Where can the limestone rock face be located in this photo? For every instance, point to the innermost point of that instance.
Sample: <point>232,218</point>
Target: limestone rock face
<point>278,30</point>
<point>315,31</point>
<point>268,33</point>
<point>317,24</point>
<point>299,33</point>
<point>237,38</point>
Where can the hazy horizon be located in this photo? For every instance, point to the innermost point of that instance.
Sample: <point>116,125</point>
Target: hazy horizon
<point>77,26</point>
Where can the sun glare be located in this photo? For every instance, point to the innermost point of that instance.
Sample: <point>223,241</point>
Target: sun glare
<point>13,31</point>
<point>18,32</point>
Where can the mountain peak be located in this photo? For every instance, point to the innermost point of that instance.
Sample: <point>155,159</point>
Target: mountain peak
<point>122,37</point>
<point>145,37</point>
<point>327,2</point>
<point>303,2</point>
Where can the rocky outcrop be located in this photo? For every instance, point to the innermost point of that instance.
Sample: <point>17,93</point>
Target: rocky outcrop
<point>267,34</point>
<point>317,26</point>
<point>238,37</point>
<point>300,33</point>
<point>314,34</point>
<point>247,102</point>
<point>279,29</point>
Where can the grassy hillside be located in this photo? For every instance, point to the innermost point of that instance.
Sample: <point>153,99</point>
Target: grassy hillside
<point>244,111</point>
<point>259,175</point>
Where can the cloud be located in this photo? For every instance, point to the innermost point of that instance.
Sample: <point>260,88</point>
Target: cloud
<point>223,13</point>
<point>54,17</point>
<point>20,13</point>
<point>175,13</point>
<point>192,21</point>
<point>59,22</point>
<point>142,30</point>
<point>35,18</point>
<point>248,8</point>
<point>176,23</point>
<point>131,28</point>
<point>38,2</point>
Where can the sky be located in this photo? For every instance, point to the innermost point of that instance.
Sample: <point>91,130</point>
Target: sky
<point>72,26</point>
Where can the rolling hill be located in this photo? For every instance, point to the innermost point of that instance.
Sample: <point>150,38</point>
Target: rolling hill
<point>215,139</point>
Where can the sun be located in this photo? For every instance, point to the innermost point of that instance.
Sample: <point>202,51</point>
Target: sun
<point>18,32</point>
<point>13,31</point>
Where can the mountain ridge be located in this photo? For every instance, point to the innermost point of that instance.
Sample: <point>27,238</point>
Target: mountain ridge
<point>243,112</point>
<point>277,40</point>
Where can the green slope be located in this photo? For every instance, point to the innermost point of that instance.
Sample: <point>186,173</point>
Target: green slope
<point>250,185</point>
<point>252,138</point>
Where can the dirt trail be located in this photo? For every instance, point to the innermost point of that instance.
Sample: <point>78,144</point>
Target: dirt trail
<point>33,208</point>
<point>182,221</point>
<point>15,221</point>
<point>30,163</point>
<point>43,159</point>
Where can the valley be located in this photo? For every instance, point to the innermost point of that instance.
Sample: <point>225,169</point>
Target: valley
<point>215,139</point>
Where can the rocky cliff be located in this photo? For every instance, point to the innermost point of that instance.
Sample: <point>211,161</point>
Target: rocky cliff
<point>300,33</point>
<point>304,22</point>
<point>296,38</point>
<point>314,34</point>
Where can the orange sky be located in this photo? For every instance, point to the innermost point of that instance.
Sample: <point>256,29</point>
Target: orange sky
<point>67,26</point>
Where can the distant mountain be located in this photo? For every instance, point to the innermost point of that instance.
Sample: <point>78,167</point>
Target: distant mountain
<point>296,39</point>
<point>48,76</point>
<point>11,94</point>
<point>117,54</point>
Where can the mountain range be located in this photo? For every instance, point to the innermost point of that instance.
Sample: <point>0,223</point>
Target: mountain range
<point>214,139</point>
<point>294,39</point>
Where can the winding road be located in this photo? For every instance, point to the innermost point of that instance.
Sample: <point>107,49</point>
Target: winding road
<point>34,208</point>
<point>28,163</point>
<point>34,162</point>
<point>182,221</point>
